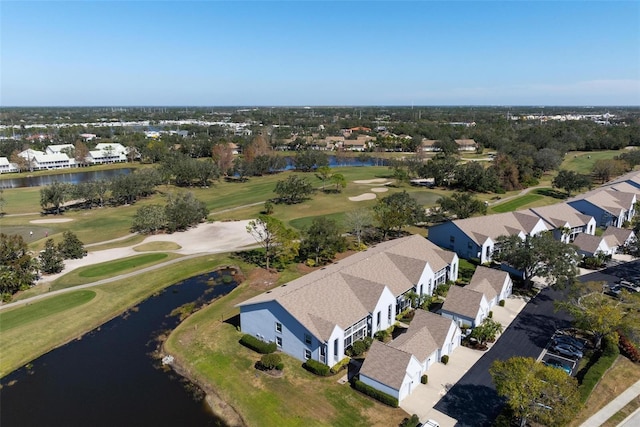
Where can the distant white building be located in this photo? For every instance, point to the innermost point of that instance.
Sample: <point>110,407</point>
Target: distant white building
<point>39,160</point>
<point>6,166</point>
<point>107,153</point>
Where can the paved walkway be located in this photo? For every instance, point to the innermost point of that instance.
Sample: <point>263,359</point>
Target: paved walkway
<point>614,406</point>
<point>442,377</point>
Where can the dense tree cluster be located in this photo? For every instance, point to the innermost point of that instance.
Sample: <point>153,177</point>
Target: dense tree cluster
<point>181,211</point>
<point>18,270</point>
<point>123,189</point>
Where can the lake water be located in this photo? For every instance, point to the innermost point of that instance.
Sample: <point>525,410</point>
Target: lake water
<point>108,377</point>
<point>67,178</point>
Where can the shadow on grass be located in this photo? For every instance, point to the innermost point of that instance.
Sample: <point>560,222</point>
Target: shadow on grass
<point>233,321</point>
<point>550,192</point>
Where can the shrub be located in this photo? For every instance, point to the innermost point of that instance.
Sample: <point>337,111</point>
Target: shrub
<point>316,367</point>
<point>367,342</point>
<point>501,303</point>
<point>410,422</point>
<point>628,349</point>
<point>340,365</point>
<point>258,345</point>
<point>444,359</point>
<point>376,394</point>
<point>280,366</point>
<point>424,379</point>
<point>270,361</point>
<point>605,359</point>
<point>490,316</point>
<point>358,348</point>
<point>381,336</point>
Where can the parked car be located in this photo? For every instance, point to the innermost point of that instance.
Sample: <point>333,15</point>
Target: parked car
<point>614,291</point>
<point>567,350</point>
<point>631,287</point>
<point>567,339</point>
<point>556,364</point>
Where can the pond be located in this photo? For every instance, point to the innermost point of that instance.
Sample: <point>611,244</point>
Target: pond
<point>109,377</point>
<point>66,178</point>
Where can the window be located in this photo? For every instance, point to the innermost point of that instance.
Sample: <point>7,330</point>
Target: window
<point>307,339</point>
<point>452,239</point>
<point>278,327</point>
<point>470,245</point>
<point>378,319</point>
<point>389,313</point>
<point>307,354</point>
<point>335,347</point>
<point>279,341</point>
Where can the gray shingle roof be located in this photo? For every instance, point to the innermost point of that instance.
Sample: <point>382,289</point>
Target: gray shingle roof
<point>485,277</point>
<point>493,226</point>
<point>437,325</point>
<point>465,302</point>
<point>617,236</point>
<point>343,293</point>
<point>386,364</point>
<point>587,242</point>
<point>561,214</point>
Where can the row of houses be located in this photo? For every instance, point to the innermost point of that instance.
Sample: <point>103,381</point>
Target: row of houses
<point>58,157</point>
<point>574,221</point>
<point>396,368</point>
<point>320,315</point>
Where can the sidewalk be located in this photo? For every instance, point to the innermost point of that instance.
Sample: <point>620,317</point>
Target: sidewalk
<point>443,377</point>
<point>612,407</point>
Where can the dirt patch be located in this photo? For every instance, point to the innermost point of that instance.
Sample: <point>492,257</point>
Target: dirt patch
<point>370,181</point>
<point>262,279</point>
<point>50,221</point>
<point>365,196</point>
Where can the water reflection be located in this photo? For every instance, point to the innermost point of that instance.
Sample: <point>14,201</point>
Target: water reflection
<point>108,377</point>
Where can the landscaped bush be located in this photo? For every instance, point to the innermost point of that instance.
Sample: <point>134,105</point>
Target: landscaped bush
<point>490,315</point>
<point>258,345</point>
<point>501,303</point>
<point>270,361</point>
<point>358,348</point>
<point>607,356</point>
<point>410,422</point>
<point>424,379</point>
<point>340,365</point>
<point>628,349</point>
<point>444,359</point>
<point>280,366</point>
<point>376,394</point>
<point>316,367</point>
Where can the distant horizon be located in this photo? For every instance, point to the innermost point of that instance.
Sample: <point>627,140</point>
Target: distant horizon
<point>320,53</point>
<point>308,106</point>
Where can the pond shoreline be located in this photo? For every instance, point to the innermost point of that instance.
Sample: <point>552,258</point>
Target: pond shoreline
<point>218,406</point>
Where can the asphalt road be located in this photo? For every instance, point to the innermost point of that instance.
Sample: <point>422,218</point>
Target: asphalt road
<point>473,401</point>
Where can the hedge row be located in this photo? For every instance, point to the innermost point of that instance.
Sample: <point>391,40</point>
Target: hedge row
<point>376,394</point>
<point>316,367</point>
<point>255,344</point>
<point>340,365</point>
<point>628,349</point>
<point>608,355</point>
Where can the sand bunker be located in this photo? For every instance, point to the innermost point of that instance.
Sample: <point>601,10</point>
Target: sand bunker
<point>50,221</point>
<point>371,181</point>
<point>365,196</point>
<point>380,189</point>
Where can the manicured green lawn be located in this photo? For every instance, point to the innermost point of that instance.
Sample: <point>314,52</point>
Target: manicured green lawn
<point>516,203</point>
<point>583,161</point>
<point>41,309</point>
<point>210,349</point>
<point>108,269</point>
<point>117,267</point>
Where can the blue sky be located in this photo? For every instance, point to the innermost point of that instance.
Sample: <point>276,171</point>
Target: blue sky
<point>319,53</point>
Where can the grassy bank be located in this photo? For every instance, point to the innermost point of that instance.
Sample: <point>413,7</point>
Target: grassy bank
<point>206,344</point>
<point>55,321</point>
